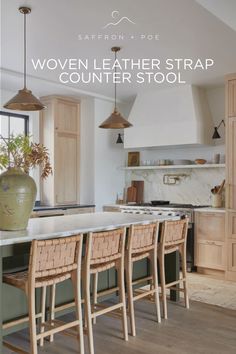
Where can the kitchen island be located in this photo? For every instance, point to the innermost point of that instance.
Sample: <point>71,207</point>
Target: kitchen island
<point>14,246</point>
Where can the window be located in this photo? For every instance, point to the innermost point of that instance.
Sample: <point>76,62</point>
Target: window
<point>13,124</point>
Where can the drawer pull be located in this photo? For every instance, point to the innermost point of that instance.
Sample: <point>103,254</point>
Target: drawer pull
<point>210,242</point>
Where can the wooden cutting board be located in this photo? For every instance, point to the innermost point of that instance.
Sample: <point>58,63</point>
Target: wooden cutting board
<point>131,194</point>
<point>139,185</point>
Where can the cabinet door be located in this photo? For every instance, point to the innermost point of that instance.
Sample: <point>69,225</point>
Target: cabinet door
<point>79,211</point>
<point>210,226</point>
<point>231,163</point>
<point>231,224</point>
<point>232,255</point>
<point>210,254</point>
<point>66,181</point>
<point>66,116</point>
<point>232,98</point>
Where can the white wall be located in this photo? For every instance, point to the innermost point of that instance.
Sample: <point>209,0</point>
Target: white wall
<point>196,187</point>
<point>87,181</point>
<point>109,157</point>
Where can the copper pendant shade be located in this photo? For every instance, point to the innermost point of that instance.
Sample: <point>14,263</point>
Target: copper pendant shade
<point>115,120</point>
<point>24,100</point>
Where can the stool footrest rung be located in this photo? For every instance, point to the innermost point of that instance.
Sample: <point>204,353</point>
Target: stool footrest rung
<point>105,310</point>
<point>62,326</point>
<point>169,285</point>
<point>143,294</point>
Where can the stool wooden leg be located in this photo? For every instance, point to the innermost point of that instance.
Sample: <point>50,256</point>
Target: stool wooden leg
<point>52,306</point>
<point>163,283</point>
<point>32,322</point>
<point>121,284</point>
<point>95,290</point>
<point>184,272</point>
<point>88,313</point>
<point>43,311</point>
<point>77,294</point>
<point>129,279</point>
<point>155,284</point>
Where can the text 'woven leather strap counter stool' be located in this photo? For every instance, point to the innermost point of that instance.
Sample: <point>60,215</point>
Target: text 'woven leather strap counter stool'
<point>51,262</point>
<point>142,243</point>
<point>173,238</point>
<point>104,250</point>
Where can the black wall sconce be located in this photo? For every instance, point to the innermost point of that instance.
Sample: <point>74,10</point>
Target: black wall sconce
<point>216,134</point>
<point>119,139</point>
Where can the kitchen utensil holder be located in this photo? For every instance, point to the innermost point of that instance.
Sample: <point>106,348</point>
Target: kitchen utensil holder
<point>216,200</point>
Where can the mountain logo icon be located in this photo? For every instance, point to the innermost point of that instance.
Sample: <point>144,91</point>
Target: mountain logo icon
<point>118,19</point>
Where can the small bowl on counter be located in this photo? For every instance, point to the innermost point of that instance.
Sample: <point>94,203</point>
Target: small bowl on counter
<point>200,162</point>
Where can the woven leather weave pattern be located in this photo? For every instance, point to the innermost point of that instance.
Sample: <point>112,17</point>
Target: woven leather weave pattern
<point>55,256</point>
<point>106,246</point>
<point>143,236</point>
<point>175,232</point>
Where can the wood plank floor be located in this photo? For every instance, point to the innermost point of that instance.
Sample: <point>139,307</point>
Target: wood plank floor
<point>202,329</point>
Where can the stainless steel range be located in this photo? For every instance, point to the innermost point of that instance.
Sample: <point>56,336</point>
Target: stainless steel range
<point>170,209</point>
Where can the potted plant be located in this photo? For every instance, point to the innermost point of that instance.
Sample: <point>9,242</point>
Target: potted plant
<point>18,155</point>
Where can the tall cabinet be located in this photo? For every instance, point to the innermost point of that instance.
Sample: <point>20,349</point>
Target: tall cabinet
<point>59,132</point>
<point>230,121</point>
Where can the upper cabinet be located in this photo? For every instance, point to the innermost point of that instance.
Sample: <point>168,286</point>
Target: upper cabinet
<point>59,132</point>
<point>66,117</point>
<point>231,97</point>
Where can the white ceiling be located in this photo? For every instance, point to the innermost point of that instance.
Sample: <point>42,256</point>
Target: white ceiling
<point>185,27</point>
<point>225,10</point>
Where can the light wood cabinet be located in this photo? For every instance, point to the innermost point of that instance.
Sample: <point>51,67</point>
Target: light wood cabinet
<point>72,211</point>
<point>231,101</point>
<point>61,212</point>
<point>210,245</point>
<point>230,120</point>
<point>232,256</point>
<point>111,208</point>
<point>59,132</point>
<point>231,224</point>
<point>231,162</point>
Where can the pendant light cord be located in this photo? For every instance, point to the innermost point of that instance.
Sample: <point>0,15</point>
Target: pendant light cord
<point>24,51</point>
<point>115,82</point>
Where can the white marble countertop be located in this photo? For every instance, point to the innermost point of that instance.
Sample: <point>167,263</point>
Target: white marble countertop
<point>67,225</point>
<point>204,209</point>
<point>210,210</point>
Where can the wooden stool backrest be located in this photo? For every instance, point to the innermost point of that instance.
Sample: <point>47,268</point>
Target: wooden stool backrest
<point>106,246</point>
<point>142,237</point>
<point>55,256</point>
<point>174,232</point>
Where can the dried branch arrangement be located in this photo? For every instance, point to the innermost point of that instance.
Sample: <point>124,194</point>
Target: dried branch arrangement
<point>19,152</point>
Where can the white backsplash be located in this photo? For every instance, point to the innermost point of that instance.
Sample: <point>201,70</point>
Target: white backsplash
<point>194,189</point>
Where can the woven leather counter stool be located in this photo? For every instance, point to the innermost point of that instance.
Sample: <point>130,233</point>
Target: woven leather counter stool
<point>173,238</point>
<point>142,243</point>
<point>104,250</point>
<point>51,262</point>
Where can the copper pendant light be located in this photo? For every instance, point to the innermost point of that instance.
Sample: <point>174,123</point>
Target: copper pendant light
<point>115,120</point>
<point>24,100</point>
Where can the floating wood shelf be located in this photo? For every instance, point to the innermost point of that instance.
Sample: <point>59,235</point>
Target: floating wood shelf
<point>173,167</point>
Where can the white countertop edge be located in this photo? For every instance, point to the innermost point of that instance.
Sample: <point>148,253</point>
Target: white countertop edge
<point>15,237</point>
<point>204,209</point>
<point>210,210</point>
